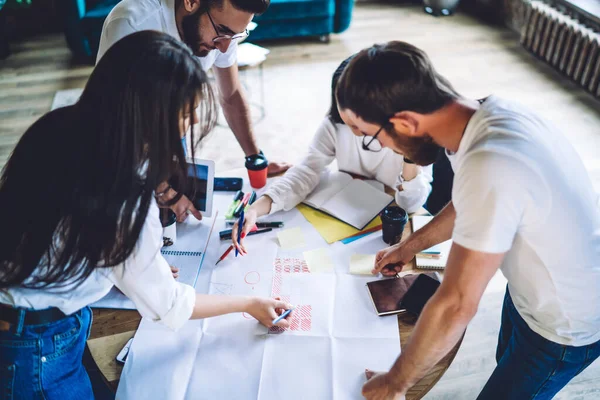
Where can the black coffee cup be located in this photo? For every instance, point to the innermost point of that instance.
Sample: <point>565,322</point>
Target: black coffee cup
<point>393,220</point>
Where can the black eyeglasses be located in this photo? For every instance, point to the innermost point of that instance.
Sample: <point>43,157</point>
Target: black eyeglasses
<point>373,144</point>
<point>225,38</point>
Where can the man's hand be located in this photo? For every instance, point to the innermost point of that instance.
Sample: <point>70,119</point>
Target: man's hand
<point>175,272</point>
<point>391,260</point>
<point>379,387</point>
<point>276,168</point>
<point>183,208</point>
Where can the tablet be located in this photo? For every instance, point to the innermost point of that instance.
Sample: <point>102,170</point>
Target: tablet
<point>200,185</point>
<point>419,294</point>
<point>387,294</point>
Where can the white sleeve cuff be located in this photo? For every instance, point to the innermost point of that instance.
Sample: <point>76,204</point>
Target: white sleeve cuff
<point>277,204</point>
<point>414,194</point>
<point>181,311</point>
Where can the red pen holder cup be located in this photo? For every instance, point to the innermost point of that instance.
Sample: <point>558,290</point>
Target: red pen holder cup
<point>257,172</point>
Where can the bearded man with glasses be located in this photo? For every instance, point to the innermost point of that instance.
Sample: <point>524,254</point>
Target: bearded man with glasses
<point>212,30</point>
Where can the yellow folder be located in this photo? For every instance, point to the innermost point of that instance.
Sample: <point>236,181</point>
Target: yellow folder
<point>330,228</point>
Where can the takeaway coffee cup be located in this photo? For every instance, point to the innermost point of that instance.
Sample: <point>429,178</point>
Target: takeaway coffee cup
<point>257,170</point>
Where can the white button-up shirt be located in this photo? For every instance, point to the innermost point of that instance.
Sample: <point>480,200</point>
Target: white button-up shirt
<point>145,277</point>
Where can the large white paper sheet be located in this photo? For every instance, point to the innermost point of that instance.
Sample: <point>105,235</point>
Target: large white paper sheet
<point>297,367</point>
<point>233,357</point>
<point>354,315</point>
<point>227,368</point>
<point>351,356</point>
<point>160,362</point>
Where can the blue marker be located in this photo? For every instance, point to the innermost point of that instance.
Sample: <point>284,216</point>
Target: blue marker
<point>240,228</point>
<point>282,316</point>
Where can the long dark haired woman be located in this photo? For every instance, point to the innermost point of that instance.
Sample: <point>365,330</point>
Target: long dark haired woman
<point>79,214</point>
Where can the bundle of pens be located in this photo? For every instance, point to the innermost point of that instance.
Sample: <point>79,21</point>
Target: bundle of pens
<point>238,207</point>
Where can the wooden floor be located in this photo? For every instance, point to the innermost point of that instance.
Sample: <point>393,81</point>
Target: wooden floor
<point>478,59</point>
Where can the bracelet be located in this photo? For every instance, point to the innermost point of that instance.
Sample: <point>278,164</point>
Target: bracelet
<point>161,194</point>
<point>407,161</point>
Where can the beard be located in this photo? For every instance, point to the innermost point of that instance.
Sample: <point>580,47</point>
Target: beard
<point>190,25</point>
<point>420,150</point>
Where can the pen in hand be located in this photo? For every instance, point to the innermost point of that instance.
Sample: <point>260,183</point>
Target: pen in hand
<point>282,316</point>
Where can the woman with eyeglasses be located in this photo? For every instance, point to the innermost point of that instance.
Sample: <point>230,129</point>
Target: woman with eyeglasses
<point>355,153</point>
<point>79,215</point>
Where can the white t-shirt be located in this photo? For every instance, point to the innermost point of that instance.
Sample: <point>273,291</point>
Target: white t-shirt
<point>337,142</point>
<point>131,16</point>
<point>145,277</point>
<point>521,188</point>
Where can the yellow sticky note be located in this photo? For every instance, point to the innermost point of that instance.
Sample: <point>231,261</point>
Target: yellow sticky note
<point>291,238</point>
<point>362,264</point>
<point>318,260</point>
<point>330,228</point>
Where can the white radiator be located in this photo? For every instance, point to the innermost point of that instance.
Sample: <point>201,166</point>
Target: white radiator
<point>565,43</point>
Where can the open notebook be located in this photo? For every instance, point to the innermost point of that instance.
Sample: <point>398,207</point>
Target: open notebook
<point>353,201</point>
<point>443,249</point>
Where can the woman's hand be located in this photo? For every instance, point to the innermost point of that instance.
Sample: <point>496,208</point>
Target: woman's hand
<point>265,310</point>
<point>183,208</point>
<point>250,217</point>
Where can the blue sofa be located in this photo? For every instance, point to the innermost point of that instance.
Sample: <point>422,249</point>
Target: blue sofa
<point>83,20</point>
<point>302,18</point>
<point>284,19</point>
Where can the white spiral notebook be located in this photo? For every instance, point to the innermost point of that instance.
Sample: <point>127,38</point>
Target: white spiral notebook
<point>418,221</point>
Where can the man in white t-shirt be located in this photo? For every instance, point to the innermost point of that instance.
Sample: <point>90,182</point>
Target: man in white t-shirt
<point>212,29</point>
<point>515,207</point>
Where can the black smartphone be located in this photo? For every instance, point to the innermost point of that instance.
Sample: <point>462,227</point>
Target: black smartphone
<point>228,184</point>
<point>419,294</point>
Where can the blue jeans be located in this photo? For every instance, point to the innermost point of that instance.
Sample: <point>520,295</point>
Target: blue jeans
<point>44,361</point>
<point>530,366</point>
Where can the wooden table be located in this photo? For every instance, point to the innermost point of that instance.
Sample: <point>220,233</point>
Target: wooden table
<point>111,329</point>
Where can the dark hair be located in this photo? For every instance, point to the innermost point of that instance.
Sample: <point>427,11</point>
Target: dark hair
<point>77,188</point>
<point>388,78</point>
<point>249,6</point>
<point>334,114</point>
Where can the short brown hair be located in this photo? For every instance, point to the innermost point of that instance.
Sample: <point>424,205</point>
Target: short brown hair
<point>387,78</point>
